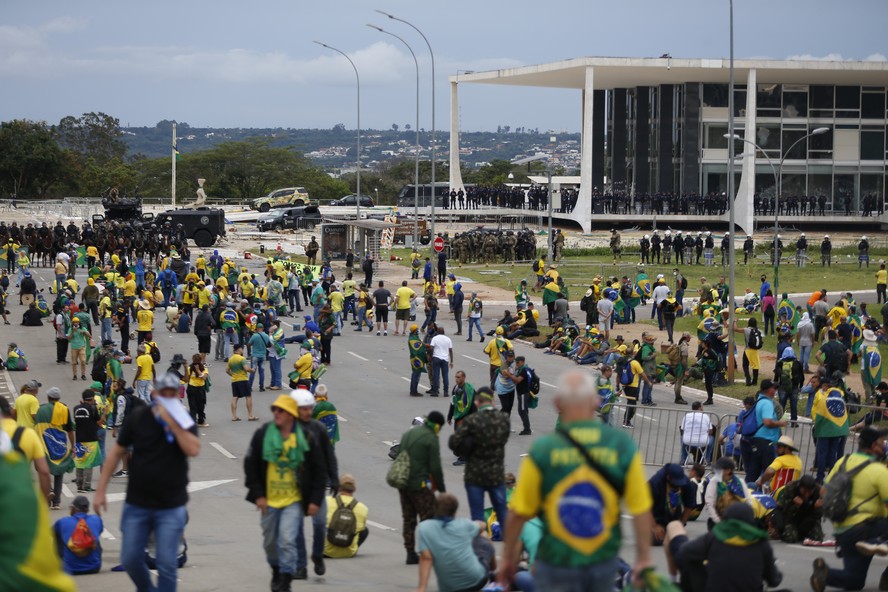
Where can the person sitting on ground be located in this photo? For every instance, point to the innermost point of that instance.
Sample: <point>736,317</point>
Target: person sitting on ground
<point>734,557</point>
<point>348,530</point>
<point>32,316</point>
<point>725,489</point>
<point>878,415</point>
<point>799,512</point>
<point>674,498</point>
<point>77,539</point>
<point>526,325</point>
<point>458,549</point>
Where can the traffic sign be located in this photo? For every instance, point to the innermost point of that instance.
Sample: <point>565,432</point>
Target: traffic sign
<point>439,244</point>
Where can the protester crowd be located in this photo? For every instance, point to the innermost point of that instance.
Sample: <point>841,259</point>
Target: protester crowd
<point>553,538</point>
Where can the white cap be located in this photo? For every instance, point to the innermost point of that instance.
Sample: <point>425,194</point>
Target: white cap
<point>303,397</point>
<point>668,232</point>
<point>803,234</point>
<point>825,236</point>
<point>708,233</point>
<point>727,234</point>
<point>647,236</point>
<point>863,237</point>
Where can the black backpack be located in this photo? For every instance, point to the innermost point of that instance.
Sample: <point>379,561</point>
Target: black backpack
<point>536,265</point>
<point>533,381</point>
<point>343,524</point>
<point>684,283</point>
<point>155,351</point>
<point>584,303</point>
<point>755,339</point>
<point>99,371</point>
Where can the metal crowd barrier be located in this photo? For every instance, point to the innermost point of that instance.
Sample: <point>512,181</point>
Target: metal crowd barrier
<point>658,437</point>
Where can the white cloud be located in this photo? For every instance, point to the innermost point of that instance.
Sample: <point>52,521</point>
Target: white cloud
<point>837,57</point>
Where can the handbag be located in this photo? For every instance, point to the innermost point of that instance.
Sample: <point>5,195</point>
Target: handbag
<point>399,473</point>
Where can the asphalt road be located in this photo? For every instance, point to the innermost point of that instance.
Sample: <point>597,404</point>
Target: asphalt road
<point>368,382</point>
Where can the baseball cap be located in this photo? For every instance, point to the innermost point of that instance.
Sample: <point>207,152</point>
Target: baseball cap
<point>54,393</point>
<point>81,503</point>
<point>676,474</point>
<point>307,317</point>
<point>303,398</point>
<point>167,381</point>
<point>33,385</point>
<point>347,482</point>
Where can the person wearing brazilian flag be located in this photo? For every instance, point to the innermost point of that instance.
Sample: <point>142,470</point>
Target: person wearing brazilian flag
<point>28,559</point>
<point>787,315</point>
<point>870,364</point>
<point>325,412</point>
<point>54,425</point>
<point>550,295</point>
<point>642,285</point>
<point>87,453</point>
<point>831,426</point>
<point>419,359</point>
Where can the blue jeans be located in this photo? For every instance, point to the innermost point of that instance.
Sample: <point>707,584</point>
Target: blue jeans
<point>143,390</point>
<point>414,381</point>
<point>497,493</point>
<point>319,534</point>
<point>136,525</point>
<point>524,582</point>
<point>280,529</point>
<point>106,329</point>
<point>431,317</point>
<point>441,367</point>
<point>598,577</point>
<point>274,365</point>
<point>647,392</point>
<point>804,356</point>
<point>258,365</point>
<point>337,318</point>
<point>828,452</point>
<point>362,319</point>
<point>855,566</point>
<point>475,322</point>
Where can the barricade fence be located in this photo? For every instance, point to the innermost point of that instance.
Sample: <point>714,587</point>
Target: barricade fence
<point>657,433</point>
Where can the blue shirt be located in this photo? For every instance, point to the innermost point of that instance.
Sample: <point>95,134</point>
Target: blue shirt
<point>258,344</point>
<point>450,543</point>
<point>64,528</point>
<point>764,289</point>
<point>729,434</point>
<point>312,326</point>
<point>764,409</point>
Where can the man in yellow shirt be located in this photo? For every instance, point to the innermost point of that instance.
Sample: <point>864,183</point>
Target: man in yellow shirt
<point>630,379</point>
<point>337,304</point>
<point>449,289</point>
<point>345,498</point>
<point>201,265</point>
<point>881,284</point>
<point>238,369</point>
<point>283,473</point>
<point>787,467</point>
<point>145,320</point>
<point>303,364</point>
<point>26,405</point>
<point>556,484</point>
<point>859,534</point>
<point>144,373</point>
<point>403,297</point>
<point>494,350</point>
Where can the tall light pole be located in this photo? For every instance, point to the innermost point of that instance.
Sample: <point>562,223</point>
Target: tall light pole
<point>358,172</point>
<point>778,187</point>
<point>416,166</point>
<point>432,54</point>
<point>731,205</point>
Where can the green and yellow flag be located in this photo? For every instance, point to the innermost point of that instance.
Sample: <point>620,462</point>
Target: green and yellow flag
<point>787,309</point>
<point>52,424</point>
<point>871,364</point>
<point>830,414</point>
<point>856,333</point>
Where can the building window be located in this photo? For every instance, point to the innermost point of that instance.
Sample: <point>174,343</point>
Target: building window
<point>715,95</point>
<point>795,104</point>
<point>715,136</point>
<point>872,145</point>
<point>822,97</point>
<point>873,105</point>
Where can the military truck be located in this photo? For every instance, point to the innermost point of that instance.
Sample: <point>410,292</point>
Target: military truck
<point>203,225</point>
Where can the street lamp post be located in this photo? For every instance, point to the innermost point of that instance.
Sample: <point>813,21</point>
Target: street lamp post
<point>778,187</point>
<point>732,290</point>
<point>432,54</point>
<point>416,166</point>
<point>358,171</point>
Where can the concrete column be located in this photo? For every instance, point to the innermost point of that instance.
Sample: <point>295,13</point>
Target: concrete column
<point>456,181</point>
<point>582,213</point>
<point>744,214</point>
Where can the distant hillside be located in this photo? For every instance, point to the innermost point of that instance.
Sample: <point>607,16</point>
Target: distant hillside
<point>335,147</point>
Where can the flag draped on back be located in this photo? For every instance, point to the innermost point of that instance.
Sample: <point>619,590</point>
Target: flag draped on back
<point>856,333</point>
<point>52,423</point>
<point>644,284</point>
<point>787,309</point>
<point>871,361</point>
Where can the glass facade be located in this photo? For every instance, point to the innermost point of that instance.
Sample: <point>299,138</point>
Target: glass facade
<point>674,139</point>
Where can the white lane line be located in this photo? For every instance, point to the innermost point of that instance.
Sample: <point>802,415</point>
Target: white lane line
<point>642,416</point>
<point>107,535</point>
<point>548,385</point>
<point>66,491</point>
<point>224,452</point>
<point>387,443</point>
<point>341,418</point>
<point>381,526</point>
<point>405,378</point>
<point>357,356</point>
<point>475,359</point>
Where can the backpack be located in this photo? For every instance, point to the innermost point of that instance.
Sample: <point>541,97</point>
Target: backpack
<point>837,494</point>
<point>533,381</point>
<point>626,374</point>
<point>99,371</point>
<point>786,377</point>
<point>684,283</point>
<point>584,303</point>
<point>82,542</point>
<point>536,265</point>
<point>749,424</point>
<point>755,339</point>
<point>399,473</point>
<point>155,351</point>
<point>343,524</point>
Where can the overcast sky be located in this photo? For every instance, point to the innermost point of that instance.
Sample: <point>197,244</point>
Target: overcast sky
<point>225,63</point>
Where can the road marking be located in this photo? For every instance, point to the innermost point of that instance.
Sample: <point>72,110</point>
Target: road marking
<point>224,452</point>
<point>357,356</point>
<point>405,378</point>
<point>107,535</point>
<point>341,418</point>
<point>642,416</point>
<point>387,443</point>
<point>475,359</point>
<point>381,526</point>
<point>192,487</point>
<point>66,491</point>
<point>548,385</point>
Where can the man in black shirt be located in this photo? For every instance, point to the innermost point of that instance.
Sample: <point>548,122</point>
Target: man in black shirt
<point>382,297</point>
<point>156,493</point>
<point>86,434</point>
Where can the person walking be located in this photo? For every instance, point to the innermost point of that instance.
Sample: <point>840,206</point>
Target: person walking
<point>831,425</point>
<point>285,479</point>
<point>480,439</point>
<point>631,376</point>
<point>862,532</point>
<point>403,299</point>
<point>418,359</point>
<point>575,552</point>
<point>145,373</point>
<point>156,494</point>
<point>238,369</point>
<point>54,426</point>
<point>456,306</point>
<point>196,376</point>
<point>476,310</point>
<point>462,404</point>
<point>420,444</point>
<point>257,348</point>
<point>442,362</point>
<point>87,453</point>
<point>203,330</point>
<point>504,385</point>
<point>327,326</point>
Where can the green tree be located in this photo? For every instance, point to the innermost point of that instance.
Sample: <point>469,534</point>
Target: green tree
<point>30,158</point>
<point>93,135</point>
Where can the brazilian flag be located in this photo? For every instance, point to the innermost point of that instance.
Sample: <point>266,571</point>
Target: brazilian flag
<point>81,256</point>
<point>787,309</point>
<point>15,257</point>
<point>613,295</point>
<point>28,558</point>
<point>53,421</point>
<point>634,296</point>
<point>871,363</point>
<point>643,284</point>
<point>418,356</point>
<point>325,412</point>
<point>856,333</point>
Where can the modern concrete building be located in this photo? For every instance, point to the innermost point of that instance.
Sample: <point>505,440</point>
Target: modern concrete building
<point>658,126</point>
